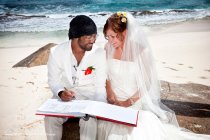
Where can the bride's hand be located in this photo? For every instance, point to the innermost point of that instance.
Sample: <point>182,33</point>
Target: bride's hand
<point>111,99</point>
<point>125,103</point>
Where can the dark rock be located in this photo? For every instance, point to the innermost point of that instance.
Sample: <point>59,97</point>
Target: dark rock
<point>142,13</point>
<point>149,13</point>
<point>71,129</point>
<point>191,103</point>
<point>102,14</point>
<point>37,58</point>
<point>71,16</point>
<point>181,11</point>
<point>11,17</point>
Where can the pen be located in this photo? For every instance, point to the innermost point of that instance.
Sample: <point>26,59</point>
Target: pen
<point>73,98</point>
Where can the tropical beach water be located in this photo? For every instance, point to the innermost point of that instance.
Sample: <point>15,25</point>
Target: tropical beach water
<point>54,15</point>
<point>34,20</point>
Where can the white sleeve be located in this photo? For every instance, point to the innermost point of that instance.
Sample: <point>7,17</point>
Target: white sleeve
<point>54,74</point>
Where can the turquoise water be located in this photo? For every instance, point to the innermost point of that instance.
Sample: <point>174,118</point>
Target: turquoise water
<point>54,15</point>
<point>74,6</point>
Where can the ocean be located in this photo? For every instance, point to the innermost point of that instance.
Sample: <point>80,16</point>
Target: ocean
<point>55,15</point>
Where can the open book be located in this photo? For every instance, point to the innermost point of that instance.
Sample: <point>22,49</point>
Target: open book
<point>82,108</point>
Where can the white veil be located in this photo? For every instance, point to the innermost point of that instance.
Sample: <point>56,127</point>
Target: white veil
<point>137,50</point>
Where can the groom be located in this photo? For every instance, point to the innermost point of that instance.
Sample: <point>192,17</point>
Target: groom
<point>76,70</point>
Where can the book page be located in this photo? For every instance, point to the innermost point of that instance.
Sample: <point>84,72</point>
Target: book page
<point>112,112</point>
<point>59,107</point>
<point>79,108</point>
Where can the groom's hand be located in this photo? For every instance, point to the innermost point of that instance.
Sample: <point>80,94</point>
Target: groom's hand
<point>66,95</point>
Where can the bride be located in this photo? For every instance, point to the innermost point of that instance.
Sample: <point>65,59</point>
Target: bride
<point>132,82</point>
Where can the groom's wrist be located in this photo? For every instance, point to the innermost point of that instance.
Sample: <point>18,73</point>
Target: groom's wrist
<point>59,93</point>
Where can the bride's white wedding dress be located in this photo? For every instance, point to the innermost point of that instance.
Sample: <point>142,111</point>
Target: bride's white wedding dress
<point>149,126</point>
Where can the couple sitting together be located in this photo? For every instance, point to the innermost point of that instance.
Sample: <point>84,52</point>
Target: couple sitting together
<point>122,73</point>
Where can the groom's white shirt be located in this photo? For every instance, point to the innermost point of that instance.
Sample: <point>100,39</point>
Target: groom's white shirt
<point>62,67</point>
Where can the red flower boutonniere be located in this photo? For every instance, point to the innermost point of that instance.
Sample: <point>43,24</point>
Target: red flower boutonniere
<point>89,70</point>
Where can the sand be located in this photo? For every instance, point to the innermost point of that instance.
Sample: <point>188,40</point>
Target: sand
<point>181,52</point>
<point>22,90</point>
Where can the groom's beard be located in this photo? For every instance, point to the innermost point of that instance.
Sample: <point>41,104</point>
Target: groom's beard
<point>85,46</point>
<point>88,47</point>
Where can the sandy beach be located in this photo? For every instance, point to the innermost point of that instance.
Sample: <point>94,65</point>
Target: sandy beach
<point>181,52</point>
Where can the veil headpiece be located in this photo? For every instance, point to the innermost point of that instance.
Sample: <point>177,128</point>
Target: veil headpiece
<point>136,49</point>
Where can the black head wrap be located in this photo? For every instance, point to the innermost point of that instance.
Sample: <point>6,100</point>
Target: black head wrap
<point>81,25</point>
